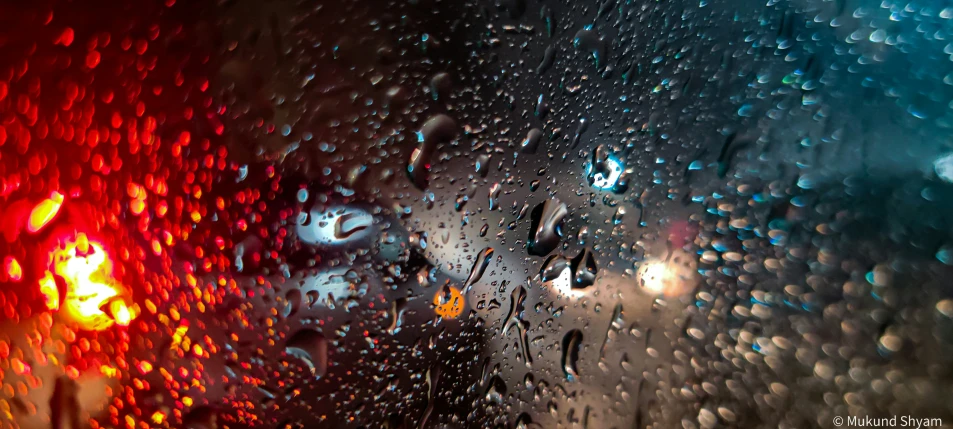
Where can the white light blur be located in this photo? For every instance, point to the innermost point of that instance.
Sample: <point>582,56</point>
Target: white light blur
<point>563,284</point>
<point>654,277</point>
<point>321,229</point>
<point>602,181</point>
<point>674,276</point>
<point>944,167</point>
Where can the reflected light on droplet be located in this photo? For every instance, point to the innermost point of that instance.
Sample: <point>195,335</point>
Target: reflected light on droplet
<point>563,284</point>
<point>335,226</point>
<point>13,268</point>
<point>601,181</point>
<point>108,371</point>
<point>44,212</point>
<point>50,292</point>
<point>178,336</point>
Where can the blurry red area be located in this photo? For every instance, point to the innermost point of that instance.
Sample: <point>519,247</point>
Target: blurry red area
<point>109,151</point>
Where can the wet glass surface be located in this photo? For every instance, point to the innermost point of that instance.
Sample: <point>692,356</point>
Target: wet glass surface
<point>475,214</point>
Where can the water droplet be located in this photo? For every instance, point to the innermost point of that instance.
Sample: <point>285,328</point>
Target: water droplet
<point>479,267</point>
<point>549,57</point>
<point>311,347</point>
<point>440,86</point>
<point>588,41</point>
<point>571,344</point>
<point>530,143</point>
<point>584,269</point>
<point>436,130</point>
<point>544,235</point>
<point>494,196</point>
<point>483,165</point>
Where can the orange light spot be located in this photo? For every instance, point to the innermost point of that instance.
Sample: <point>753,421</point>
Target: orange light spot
<point>19,367</point>
<point>145,367</point>
<point>133,190</point>
<point>449,302</point>
<point>158,417</point>
<point>151,307</point>
<point>137,207</point>
<point>44,212</point>
<point>13,268</point>
<point>50,292</point>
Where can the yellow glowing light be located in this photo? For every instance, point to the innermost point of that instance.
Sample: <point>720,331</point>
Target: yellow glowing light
<point>44,212</point>
<point>108,371</point>
<point>158,417</point>
<point>14,270</point>
<point>178,336</point>
<point>122,313</point>
<point>87,270</point>
<point>654,277</point>
<point>50,292</point>
<point>674,276</point>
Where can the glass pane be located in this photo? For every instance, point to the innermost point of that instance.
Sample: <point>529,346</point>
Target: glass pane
<point>475,214</point>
